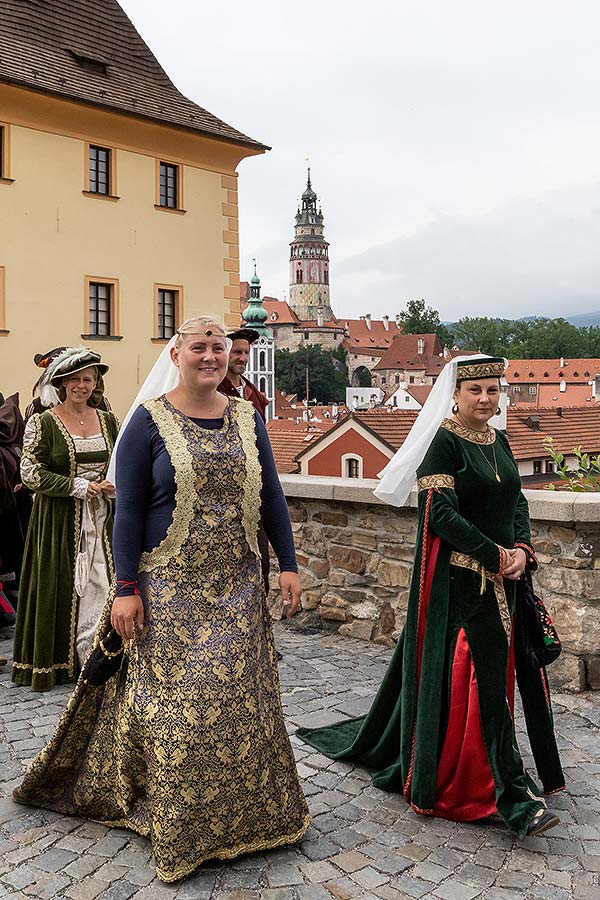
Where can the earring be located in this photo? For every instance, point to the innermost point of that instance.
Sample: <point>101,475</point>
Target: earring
<point>498,411</point>
<point>455,409</point>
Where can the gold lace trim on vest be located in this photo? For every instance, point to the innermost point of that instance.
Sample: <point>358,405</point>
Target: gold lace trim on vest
<point>463,561</point>
<point>183,466</point>
<point>243,412</point>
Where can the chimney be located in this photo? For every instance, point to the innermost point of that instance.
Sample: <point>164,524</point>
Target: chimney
<point>398,320</point>
<point>533,422</point>
<point>420,346</point>
<point>362,318</point>
<point>562,362</point>
<point>368,320</point>
<point>320,317</point>
<point>386,323</point>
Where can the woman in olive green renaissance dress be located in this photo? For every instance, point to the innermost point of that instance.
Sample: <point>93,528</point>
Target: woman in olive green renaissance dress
<point>441,730</point>
<point>67,565</point>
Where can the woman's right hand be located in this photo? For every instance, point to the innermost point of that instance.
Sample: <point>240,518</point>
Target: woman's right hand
<point>93,489</point>
<point>125,611</point>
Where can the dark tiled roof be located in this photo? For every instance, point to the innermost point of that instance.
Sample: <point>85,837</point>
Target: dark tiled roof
<point>89,51</point>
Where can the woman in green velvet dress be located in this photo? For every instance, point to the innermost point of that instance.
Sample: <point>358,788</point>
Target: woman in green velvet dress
<point>441,729</point>
<point>67,566</point>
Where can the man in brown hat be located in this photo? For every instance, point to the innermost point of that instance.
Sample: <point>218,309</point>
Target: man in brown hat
<point>234,384</point>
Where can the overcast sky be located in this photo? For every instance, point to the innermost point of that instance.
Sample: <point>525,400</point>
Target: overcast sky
<point>454,145</point>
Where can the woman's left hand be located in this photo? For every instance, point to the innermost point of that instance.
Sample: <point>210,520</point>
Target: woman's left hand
<point>516,565</point>
<point>291,589</point>
<point>107,488</point>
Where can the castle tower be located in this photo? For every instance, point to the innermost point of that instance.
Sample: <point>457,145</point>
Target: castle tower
<point>261,363</point>
<point>309,261</point>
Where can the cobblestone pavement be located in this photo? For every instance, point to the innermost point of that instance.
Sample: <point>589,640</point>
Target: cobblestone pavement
<point>362,843</point>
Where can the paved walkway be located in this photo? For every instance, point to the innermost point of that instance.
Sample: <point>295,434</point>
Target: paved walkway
<point>363,842</point>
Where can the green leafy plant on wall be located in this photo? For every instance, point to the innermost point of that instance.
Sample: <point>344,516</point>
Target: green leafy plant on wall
<point>584,476</point>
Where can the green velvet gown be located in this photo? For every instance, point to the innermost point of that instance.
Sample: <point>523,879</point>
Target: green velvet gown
<point>45,647</point>
<point>440,730</point>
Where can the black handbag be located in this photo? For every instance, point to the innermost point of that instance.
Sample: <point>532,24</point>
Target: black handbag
<point>105,660</point>
<point>538,634</point>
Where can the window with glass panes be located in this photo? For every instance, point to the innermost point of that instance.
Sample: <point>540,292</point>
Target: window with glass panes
<point>167,306</point>
<point>168,185</point>
<point>99,170</point>
<point>352,468</point>
<point>100,302</point>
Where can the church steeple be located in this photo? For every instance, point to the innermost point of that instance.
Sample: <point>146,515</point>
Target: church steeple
<point>309,260</point>
<point>255,315</point>
<point>261,362</point>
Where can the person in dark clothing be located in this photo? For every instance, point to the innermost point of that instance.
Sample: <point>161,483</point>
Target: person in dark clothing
<point>235,384</point>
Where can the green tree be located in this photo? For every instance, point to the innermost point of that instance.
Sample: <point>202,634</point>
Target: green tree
<point>418,318</point>
<point>327,373</point>
<point>553,338</point>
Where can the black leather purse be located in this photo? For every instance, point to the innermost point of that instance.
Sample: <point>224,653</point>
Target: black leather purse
<point>105,660</point>
<point>539,638</point>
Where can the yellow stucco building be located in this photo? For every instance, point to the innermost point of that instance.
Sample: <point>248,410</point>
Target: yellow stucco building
<point>118,196</point>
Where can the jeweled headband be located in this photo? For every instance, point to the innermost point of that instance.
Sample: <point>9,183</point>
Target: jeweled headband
<point>489,368</point>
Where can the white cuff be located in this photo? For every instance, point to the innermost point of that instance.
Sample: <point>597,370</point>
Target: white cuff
<point>80,487</point>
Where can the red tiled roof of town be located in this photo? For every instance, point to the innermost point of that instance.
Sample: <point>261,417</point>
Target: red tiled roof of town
<point>91,53</point>
<point>419,391</point>
<point>362,337</point>
<point>288,439</point>
<point>283,405</point>
<point>244,290</point>
<point>577,426</point>
<point>402,354</point>
<point>539,371</point>
<point>391,425</point>
<point>284,314</point>
<point>293,424</point>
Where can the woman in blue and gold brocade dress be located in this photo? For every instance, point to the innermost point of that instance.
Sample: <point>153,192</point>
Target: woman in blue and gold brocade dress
<point>187,744</point>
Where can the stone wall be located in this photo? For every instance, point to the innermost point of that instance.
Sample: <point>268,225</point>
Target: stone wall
<point>355,557</point>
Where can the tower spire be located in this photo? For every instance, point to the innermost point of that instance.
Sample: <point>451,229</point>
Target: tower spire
<point>309,260</point>
<point>255,315</point>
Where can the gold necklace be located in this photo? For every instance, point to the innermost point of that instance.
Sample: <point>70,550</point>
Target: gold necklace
<point>494,467</point>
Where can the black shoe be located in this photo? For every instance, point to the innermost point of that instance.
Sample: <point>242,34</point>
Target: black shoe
<point>542,823</point>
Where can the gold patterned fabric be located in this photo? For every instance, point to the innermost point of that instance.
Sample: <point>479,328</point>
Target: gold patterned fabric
<point>463,561</point>
<point>494,368</point>
<point>435,481</point>
<point>187,744</point>
<point>469,434</point>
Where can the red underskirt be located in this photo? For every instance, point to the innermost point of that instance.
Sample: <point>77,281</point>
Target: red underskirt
<point>465,786</point>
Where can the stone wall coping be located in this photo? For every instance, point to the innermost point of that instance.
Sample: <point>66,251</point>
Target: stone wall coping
<point>551,506</point>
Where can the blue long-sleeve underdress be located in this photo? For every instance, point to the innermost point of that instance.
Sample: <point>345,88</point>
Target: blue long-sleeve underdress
<point>146,496</point>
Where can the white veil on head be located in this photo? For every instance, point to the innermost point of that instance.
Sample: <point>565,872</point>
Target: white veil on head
<point>398,478</point>
<point>162,378</point>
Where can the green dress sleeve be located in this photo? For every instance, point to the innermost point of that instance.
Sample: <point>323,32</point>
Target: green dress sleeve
<point>522,524</point>
<point>436,488</point>
<point>35,473</point>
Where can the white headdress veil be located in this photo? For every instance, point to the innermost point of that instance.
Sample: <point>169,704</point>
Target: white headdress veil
<point>162,378</point>
<point>398,478</point>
